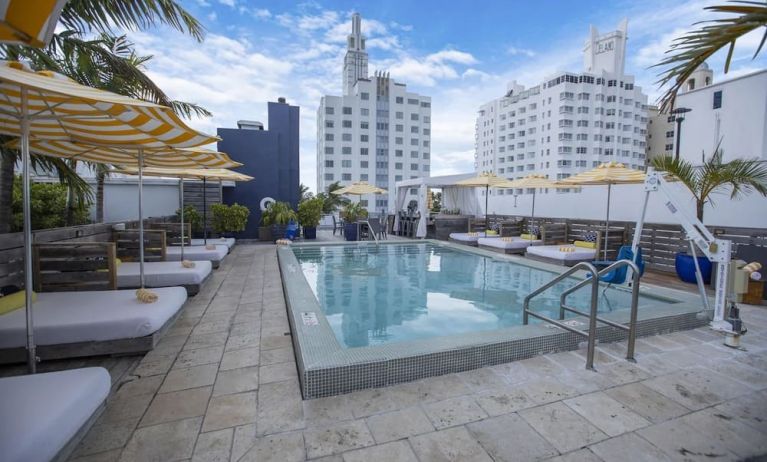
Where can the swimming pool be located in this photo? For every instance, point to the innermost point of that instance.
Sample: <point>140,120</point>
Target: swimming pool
<point>365,315</point>
<point>372,295</point>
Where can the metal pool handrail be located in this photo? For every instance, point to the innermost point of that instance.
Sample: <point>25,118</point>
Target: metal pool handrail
<point>591,333</point>
<point>370,230</point>
<point>631,328</point>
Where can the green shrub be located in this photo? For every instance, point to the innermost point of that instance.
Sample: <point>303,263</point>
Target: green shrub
<point>353,211</point>
<point>229,218</point>
<point>48,206</point>
<point>310,212</point>
<point>191,216</point>
<point>277,213</point>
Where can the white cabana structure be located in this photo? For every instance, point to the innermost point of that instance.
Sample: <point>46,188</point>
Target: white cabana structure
<point>453,197</point>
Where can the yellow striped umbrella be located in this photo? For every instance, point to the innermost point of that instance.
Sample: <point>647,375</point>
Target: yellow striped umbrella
<point>534,181</point>
<point>360,188</point>
<point>29,22</point>
<point>486,180</point>
<point>47,106</point>
<point>609,173</point>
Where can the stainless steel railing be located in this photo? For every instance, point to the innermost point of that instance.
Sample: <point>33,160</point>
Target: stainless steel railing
<point>590,334</point>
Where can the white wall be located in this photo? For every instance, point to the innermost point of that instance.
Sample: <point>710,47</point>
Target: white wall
<point>626,201</point>
<point>121,199</point>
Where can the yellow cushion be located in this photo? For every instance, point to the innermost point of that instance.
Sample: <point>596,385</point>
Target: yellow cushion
<point>118,262</point>
<point>528,237</point>
<point>585,244</point>
<point>473,234</point>
<point>14,301</point>
<point>491,233</point>
<point>567,249</point>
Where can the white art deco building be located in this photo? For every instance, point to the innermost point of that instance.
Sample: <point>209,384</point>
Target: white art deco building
<point>376,132</point>
<point>570,122</point>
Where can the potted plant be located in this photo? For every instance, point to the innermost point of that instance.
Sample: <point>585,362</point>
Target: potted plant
<point>281,215</point>
<point>267,220</point>
<point>351,213</point>
<point>741,176</point>
<point>309,215</point>
<point>229,219</point>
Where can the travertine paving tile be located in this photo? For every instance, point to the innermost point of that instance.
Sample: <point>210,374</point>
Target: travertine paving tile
<point>562,427</point>
<point>503,400</point>
<point>192,377</point>
<point>337,438</point>
<point>236,381</point>
<point>399,424</point>
<point>453,444</point>
<point>236,359</point>
<point>278,372</point>
<point>104,437</point>
<point>280,408</point>
<point>681,442</point>
<point>277,355</point>
<point>738,437</point>
<point>398,450</point>
<point>454,411</point>
<point>581,455</point>
<point>325,411</point>
<point>368,402</point>
<point>230,411</point>
<point>177,405</point>
<point>628,447</point>
<point>647,402</point>
<point>696,388</point>
<point>168,441</point>
<point>285,447</point>
<point>213,446</point>
<point>607,414</point>
<point>509,438</point>
<point>198,357</point>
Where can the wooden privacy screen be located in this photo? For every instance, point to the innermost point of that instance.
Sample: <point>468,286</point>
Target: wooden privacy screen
<point>74,266</point>
<point>173,232</point>
<point>128,245</point>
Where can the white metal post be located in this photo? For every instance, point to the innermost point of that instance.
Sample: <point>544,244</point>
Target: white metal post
<point>141,215</point>
<point>607,219</point>
<point>181,198</point>
<point>31,349</point>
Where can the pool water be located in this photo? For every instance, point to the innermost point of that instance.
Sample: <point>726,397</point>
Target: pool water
<point>372,295</point>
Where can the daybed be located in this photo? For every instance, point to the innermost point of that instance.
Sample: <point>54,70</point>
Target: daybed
<point>227,241</point>
<point>509,245</point>
<point>470,238</point>
<point>568,254</point>
<point>198,253</point>
<point>164,274</point>
<point>44,416</point>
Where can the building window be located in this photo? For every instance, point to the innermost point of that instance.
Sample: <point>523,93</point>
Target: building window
<point>363,151</point>
<point>398,153</point>
<point>426,155</point>
<point>346,150</point>
<point>413,116</point>
<point>400,100</point>
<point>398,140</point>
<point>347,110</point>
<point>398,165</point>
<point>364,138</point>
<point>346,137</point>
<point>329,163</point>
<point>365,96</point>
<point>346,124</point>
<point>426,119</point>
<point>346,177</point>
<point>328,137</point>
<point>414,154</point>
<point>414,167</point>
<point>412,101</point>
<point>328,177</point>
<point>670,134</point>
<point>364,112</point>
<point>364,125</point>
<point>328,150</point>
<point>346,163</point>
<point>363,176</point>
<point>363,164</point>
<point>414,142</point>
<point>330,110</point>
<point>399,115</point>
<point>399,128</point>
<point>717,99</point>
<point>328,124</point>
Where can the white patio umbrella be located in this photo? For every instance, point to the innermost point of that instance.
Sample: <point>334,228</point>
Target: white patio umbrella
<point>487,181</point>
<point>534,181</point>
<point>47,106</point>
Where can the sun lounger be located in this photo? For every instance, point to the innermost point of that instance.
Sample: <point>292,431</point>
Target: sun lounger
<point>44,416</point>
<point>72,324</point>
<point>227,241</point>
<point>164,274</point>
<point>198,253</point>
<point>469,238</point>
<point>507,245</point>
<point>558,254</point>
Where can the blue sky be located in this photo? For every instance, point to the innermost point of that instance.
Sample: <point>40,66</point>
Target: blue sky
<point>461,54</point>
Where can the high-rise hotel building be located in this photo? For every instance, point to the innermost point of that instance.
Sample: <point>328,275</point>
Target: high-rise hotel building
<point>570,122</point>
<point>376,132</point>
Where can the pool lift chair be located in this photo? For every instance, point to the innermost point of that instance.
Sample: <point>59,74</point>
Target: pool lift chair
<point>619,275</point>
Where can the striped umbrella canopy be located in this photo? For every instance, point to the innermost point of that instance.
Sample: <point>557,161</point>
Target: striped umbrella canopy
<point>29,22</point>
<point>486,180</point>
<point>360,188</point>
<point>608,173</point>
<point>534,181</point>
<point>51,107</point>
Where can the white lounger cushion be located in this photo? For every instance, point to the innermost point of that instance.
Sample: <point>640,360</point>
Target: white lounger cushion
<point>72,317</point>
<point>40,414</point>
<point>517,243</point>
<point>552,251</point>
<point>163,274</point>
<point>465,237</point>
<point>196,253</point>
<point>227,241</point>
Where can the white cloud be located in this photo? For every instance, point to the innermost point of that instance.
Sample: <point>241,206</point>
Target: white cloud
<point>261,13</point>
<point>227,2</point>
<point>514,51</point>
<point>212,16</point>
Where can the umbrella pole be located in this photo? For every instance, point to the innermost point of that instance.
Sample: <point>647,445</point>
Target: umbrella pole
<point>532,213</point>
<point>31,349</point>
<point>181,198</point>
<point>205,209</point>
<point>141,215</point>
<point>607,220</point>
<point>487,216</point>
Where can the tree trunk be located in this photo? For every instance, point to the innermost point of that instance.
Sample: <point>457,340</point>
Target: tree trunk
<point>699,206</point>
<point>7,164</point>
<point>100,177</point>
<point>71,201</point>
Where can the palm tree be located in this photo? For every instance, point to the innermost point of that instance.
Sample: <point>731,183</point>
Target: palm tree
<point>332,202</point>
<point>741,176</point>
<point>100,63</point>
<point>692,49</point>
<point>304,193</point>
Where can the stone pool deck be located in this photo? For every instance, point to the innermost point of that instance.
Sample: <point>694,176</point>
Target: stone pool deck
<point>222,386</point>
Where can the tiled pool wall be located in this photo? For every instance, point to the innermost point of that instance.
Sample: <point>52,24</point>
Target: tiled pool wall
<point>327,369</point>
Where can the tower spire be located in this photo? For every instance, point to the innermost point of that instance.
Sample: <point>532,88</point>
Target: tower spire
<point>356,59</point>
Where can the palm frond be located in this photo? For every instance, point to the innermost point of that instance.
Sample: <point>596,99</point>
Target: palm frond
<point>681,169</point>
<point>694,48</point>
<point>86,16</point>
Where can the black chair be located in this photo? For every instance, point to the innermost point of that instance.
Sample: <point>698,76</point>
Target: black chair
<point>337,225</point>
<point>383,222</point>
<point>374,228</point>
